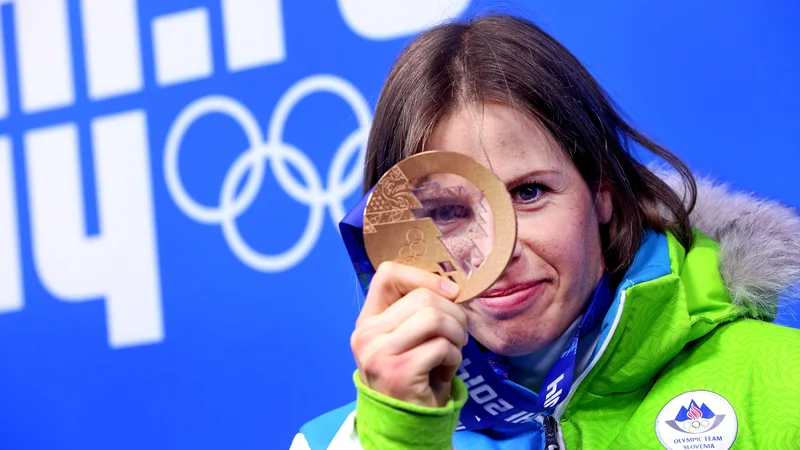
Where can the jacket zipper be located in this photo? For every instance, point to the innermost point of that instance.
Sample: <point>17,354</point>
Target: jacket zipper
<point>551,433</point>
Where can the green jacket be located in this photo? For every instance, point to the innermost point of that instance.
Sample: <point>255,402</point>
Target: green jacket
<point>679,333</point>
<point>684,336</point>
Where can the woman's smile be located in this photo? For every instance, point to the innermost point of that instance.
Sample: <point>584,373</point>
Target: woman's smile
<point>504,302</point>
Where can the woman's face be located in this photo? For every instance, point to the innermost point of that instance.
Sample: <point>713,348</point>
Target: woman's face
<point>558,258</point>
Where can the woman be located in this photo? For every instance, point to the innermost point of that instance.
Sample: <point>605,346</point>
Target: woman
<point>680,357</point>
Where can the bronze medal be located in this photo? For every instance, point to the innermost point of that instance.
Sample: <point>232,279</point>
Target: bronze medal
<point>445,213</point>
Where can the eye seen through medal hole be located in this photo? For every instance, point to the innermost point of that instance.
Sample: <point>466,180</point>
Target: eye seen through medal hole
<point>462,215</point>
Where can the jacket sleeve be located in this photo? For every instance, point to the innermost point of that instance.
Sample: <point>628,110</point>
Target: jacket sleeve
<point>383,423</point>
<point>389,424</point>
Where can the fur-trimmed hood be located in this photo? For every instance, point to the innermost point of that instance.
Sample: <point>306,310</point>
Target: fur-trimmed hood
<point>759,242</point>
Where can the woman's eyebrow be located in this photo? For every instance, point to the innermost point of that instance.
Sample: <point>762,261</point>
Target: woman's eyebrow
<point>519,179</point>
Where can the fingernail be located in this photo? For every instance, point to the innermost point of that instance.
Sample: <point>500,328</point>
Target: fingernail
<point>449,287</point>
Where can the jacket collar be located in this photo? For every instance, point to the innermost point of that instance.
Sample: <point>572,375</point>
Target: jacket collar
<point>668,298</point>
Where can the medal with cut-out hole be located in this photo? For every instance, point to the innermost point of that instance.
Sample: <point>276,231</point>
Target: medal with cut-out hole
<point>446,213</point>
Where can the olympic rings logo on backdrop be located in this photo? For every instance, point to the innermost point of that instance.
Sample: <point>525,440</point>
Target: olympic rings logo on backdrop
<point>311,192</point>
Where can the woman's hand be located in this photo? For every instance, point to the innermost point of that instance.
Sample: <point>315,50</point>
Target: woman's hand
<point>408,338</point>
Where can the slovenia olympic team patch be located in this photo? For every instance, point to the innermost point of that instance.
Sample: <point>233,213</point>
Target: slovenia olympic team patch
<point>697,420</point>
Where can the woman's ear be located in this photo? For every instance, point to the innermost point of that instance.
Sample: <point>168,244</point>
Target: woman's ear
<point>604,205</point>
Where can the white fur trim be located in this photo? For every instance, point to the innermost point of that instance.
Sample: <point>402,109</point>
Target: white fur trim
<point>759,242</point>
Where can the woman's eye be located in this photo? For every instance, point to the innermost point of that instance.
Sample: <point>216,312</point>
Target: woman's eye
<point>528,193</point>
<point>449,213</point>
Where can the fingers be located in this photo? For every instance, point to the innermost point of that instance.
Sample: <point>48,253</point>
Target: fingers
<point>406,307</point>
<point>419,316</point>
<point>438,353</point>
<point>392,281</point>
<point>428,323</point>
<point>422,375</point>
<point>409,335</point>
<point>425,325</point>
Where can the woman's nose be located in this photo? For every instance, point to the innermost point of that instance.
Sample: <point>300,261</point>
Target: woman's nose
<point>476,257</point>
<point>517,253</point>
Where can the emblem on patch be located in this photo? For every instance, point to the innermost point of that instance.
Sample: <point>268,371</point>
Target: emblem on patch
<point>697,420</point>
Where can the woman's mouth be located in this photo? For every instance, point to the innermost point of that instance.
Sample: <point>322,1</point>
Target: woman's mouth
<point>507,301</point>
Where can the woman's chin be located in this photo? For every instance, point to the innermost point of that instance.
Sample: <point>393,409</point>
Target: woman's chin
<point>509,343</point>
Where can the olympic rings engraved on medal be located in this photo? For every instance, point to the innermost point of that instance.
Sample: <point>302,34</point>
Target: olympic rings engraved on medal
<point>310,191</point>
<point>414,248</point>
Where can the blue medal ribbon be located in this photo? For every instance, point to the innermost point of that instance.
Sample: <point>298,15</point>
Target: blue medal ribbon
<point>352,230</point>
<point>492,400</point>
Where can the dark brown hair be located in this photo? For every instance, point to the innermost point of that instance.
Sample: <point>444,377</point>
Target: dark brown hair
<point>510,60</point>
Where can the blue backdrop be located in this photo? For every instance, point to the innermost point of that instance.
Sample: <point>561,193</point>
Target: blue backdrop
<point>171,173</point>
